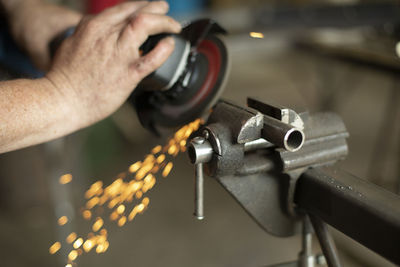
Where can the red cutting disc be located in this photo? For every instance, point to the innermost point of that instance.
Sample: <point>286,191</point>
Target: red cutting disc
<point>207,77</point>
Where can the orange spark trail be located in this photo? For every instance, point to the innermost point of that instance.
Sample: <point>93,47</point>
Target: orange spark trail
<point>123,198</point>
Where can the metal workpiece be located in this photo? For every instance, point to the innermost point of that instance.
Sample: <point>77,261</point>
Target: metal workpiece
<point>282,134</point>
<point>325,143</point>
<point>282,127</point>
<point>359,209</point>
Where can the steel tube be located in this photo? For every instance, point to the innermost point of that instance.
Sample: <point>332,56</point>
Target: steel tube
<point>282,135</point>
<point>357,208</point>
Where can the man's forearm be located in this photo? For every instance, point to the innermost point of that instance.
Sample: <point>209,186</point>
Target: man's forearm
<point>33,111</point>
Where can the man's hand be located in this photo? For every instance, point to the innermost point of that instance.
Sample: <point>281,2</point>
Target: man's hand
<point>93,73</point>
<point>98,67</point>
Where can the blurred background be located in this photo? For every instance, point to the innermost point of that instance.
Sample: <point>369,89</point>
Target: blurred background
<point>337,55</point>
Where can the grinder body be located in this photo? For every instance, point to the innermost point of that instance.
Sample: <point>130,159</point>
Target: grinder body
<point>188,83</point>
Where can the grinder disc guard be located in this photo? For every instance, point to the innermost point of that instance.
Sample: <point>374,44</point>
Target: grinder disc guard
<point>198,87</point>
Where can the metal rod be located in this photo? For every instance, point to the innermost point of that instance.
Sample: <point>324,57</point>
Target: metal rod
<point>199,192</point>
<point>325,240</point>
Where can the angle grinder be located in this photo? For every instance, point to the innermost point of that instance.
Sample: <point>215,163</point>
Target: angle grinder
<point>188,84</point>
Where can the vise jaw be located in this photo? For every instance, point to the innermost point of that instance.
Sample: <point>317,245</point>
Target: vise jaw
<point>258,152</point>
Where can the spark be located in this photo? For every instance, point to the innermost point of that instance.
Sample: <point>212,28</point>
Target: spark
<point>132,214</point>
<point>92,202</point>
<point>121,209</point>
<point>257,35</point>
<point>140,208</point>
<point>160,159</point>
<point>71,237</point>
<point>55,248</point>
<point>182,143</point>
<point>135,167</point>
<point>146,201</point>
<point>88,245</point>
<point>98,224</point>
<point>94,189</point>
<point>172,150</point>
<point>120,195</point>
<point>167,169</point>
<point>103,232</point>
<point>138,194</point>
<point>65,179</point>
<point>73,255</point>
<point>149,158</point>
<point>114,216</point>
<point>78,243</point>
<point>122,221</point>
<point>87,214</point>
<point>62,220</point>
<point>156,149</point>
<point>102,247</point>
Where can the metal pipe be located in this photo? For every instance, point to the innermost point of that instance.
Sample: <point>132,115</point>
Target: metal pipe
<point>282,134</point>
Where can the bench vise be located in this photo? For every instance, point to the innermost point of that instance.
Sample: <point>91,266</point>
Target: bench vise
<point>276,163</point>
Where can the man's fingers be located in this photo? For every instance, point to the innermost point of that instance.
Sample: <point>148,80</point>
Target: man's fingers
<point>122,12</point>
<point>142,26</point>
<point>119,13</point>
<point>154,59</point>
<point>156,7</point>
